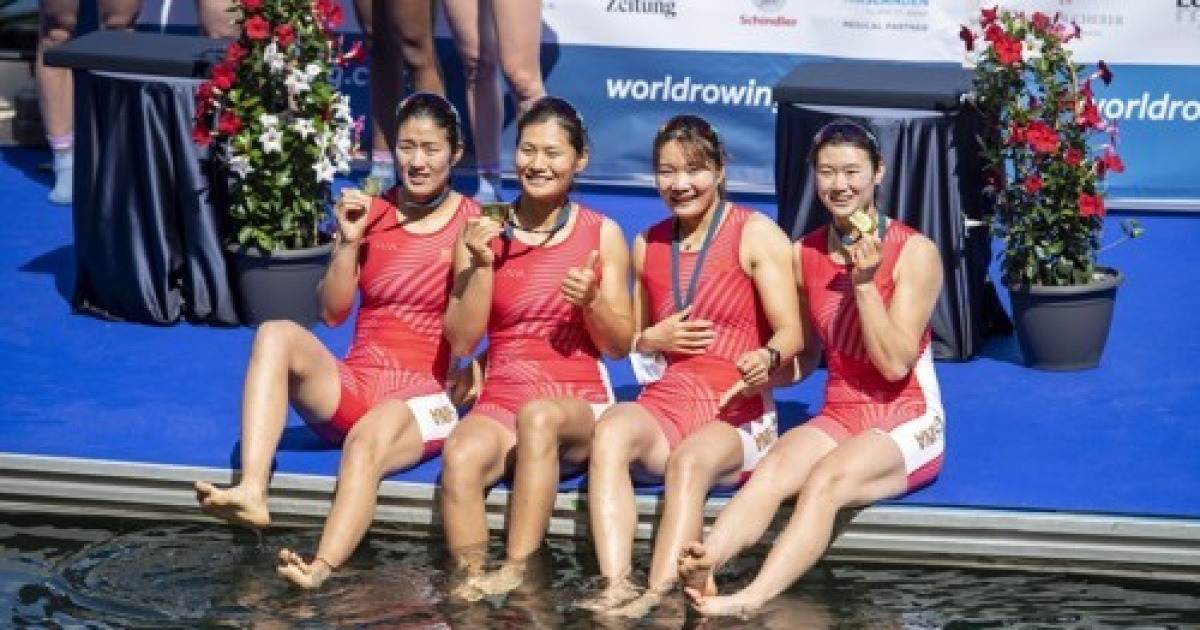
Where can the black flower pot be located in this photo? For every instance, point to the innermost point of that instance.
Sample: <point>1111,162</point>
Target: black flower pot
<point>279,284</point>
<point>1065,328</point>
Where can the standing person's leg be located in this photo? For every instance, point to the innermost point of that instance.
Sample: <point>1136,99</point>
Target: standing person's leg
<point>386,440</point>
<point>385,79</point>
<point>519,30</point>
<point>712,454</point>
<point>287,362</point>
<point>864,469</point>
<point>55,95</point>
<point>545,428</point>
<point>625,435</point>
<point>410,25</point>
<point>474,33</point>
<point>777,478</point>
<point>215,19</point>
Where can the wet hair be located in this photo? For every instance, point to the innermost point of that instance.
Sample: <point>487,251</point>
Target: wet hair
<point>561,112</point>
<point>849,132</point>
<point>699,139</point>
<point>435,107</point>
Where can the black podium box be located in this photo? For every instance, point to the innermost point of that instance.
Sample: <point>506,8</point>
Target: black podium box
<point>933,182</point>
<point>183,56</point>
<point>934,87</point>
<point>147,210</point>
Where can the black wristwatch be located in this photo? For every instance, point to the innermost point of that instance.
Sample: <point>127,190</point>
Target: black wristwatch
<point>775,357</point>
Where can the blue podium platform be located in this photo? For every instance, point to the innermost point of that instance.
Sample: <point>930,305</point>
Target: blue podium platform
<point>1086,471</point>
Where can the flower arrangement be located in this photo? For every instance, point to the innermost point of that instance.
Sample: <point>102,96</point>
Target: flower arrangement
<point>277,121</point>
<point>1044,171</point>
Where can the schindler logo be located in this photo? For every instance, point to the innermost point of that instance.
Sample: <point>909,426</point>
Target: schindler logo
<point>665,8</point>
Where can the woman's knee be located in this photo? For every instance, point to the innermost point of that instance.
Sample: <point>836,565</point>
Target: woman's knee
<point>56,28</point>
<point>686,467</point>
<point>539,421</point>
<point>526,82</point>
<point>463,462</point>
<point>275,338</point>
<point>825,485</point>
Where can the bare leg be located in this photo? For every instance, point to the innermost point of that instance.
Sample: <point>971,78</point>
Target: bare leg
<point>384,441</point>
<point>626,435</point>
<point>287,362</point>
<point>519,30</point>
<point>473,458</point>
<point>750,512</point>
<point>215,18</point>
<point>55,93</point>
<point>383,86</point>
<point>475,38</point>
<point>710,455</point>
<point>864,469</point>
<point>409,24</point>
<point>543,427</point>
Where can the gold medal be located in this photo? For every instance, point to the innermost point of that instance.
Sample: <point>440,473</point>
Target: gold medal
<point>372,186</point>
<point>863,221</point>
<point>497,211</point>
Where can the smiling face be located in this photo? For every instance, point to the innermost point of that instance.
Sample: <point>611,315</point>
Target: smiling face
<point>424,157</point>
<point>846,178</point>
<point>687,179</point>
<point>546,161</point>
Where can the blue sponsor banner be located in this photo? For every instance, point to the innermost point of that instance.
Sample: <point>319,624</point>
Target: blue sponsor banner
<point>1157,112</point>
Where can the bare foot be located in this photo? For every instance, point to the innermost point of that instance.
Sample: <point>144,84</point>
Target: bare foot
<point>726,606</point>
<point>308,575</point>
<point>618,591</point>
<point>234,505</point>
<point>503,580</point>
<point>696,571</point>
<point>637,608</point>
<point>463,587</point>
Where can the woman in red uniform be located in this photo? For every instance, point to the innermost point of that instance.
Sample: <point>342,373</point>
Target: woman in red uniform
<point>386,402</point>
<point>549,286</point>
<point>868,284</point>
<point>709,300</point>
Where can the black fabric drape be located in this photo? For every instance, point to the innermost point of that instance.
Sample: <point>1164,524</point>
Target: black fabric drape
<point>147,237</point>
<point>933,183</point>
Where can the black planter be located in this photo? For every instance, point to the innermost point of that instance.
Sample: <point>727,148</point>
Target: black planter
<point>1065,328</point>
<point>278,285</point>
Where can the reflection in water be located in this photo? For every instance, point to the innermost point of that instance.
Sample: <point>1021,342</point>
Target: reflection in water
<point>125,574</point>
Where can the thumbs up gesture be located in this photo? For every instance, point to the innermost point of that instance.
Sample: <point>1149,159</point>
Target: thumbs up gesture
<point>581,286</point>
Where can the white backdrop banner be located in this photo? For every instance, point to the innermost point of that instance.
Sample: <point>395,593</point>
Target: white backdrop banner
<point>628,65</point>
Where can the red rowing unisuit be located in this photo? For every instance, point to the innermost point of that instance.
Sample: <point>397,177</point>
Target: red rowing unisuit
<point>539,345</point>
<point>398,350</point>
<point>686,398</point>
<point>857,396</point>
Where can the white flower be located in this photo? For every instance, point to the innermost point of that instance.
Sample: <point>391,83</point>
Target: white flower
<point>304,127</point>
<point>240,164</point>
<point>297,82</point>
<point>312,70</point>
<point>276,60</point>
<point>343,166</point>
<point>1031,48</point>
<point>268,120</point>
<point>272,140</point>
<point>324,171</point>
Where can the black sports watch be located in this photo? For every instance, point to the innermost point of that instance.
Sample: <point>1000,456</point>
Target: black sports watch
<point>775,357</point>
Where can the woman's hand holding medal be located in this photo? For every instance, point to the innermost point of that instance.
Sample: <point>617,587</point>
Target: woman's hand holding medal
<point>351,211</point>
<point>477,236</point>
<point>865,254</point>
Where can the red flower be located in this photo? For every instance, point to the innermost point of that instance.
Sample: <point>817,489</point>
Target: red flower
<point>235,52</point>
<point>1008,51</point>
<point>1089,116</point>
<point>356,53</point>
<point>251,5</point>
<point>229,124</point>
<point>1040,21</point>
<point>1112,161</point>
<point>989,15</point>
<point>257,28</point>
<point>1074,157</point>
<point>993,33</point>
<point>201,135</point>
<point>224,76</point>
<point>1042,138</point>
<point>1016,134</point>
<point>285,34</point>
<point>1091,205</point>
<point>1033,184</point>
<point>968,38</point>
<point>1103,72</point>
